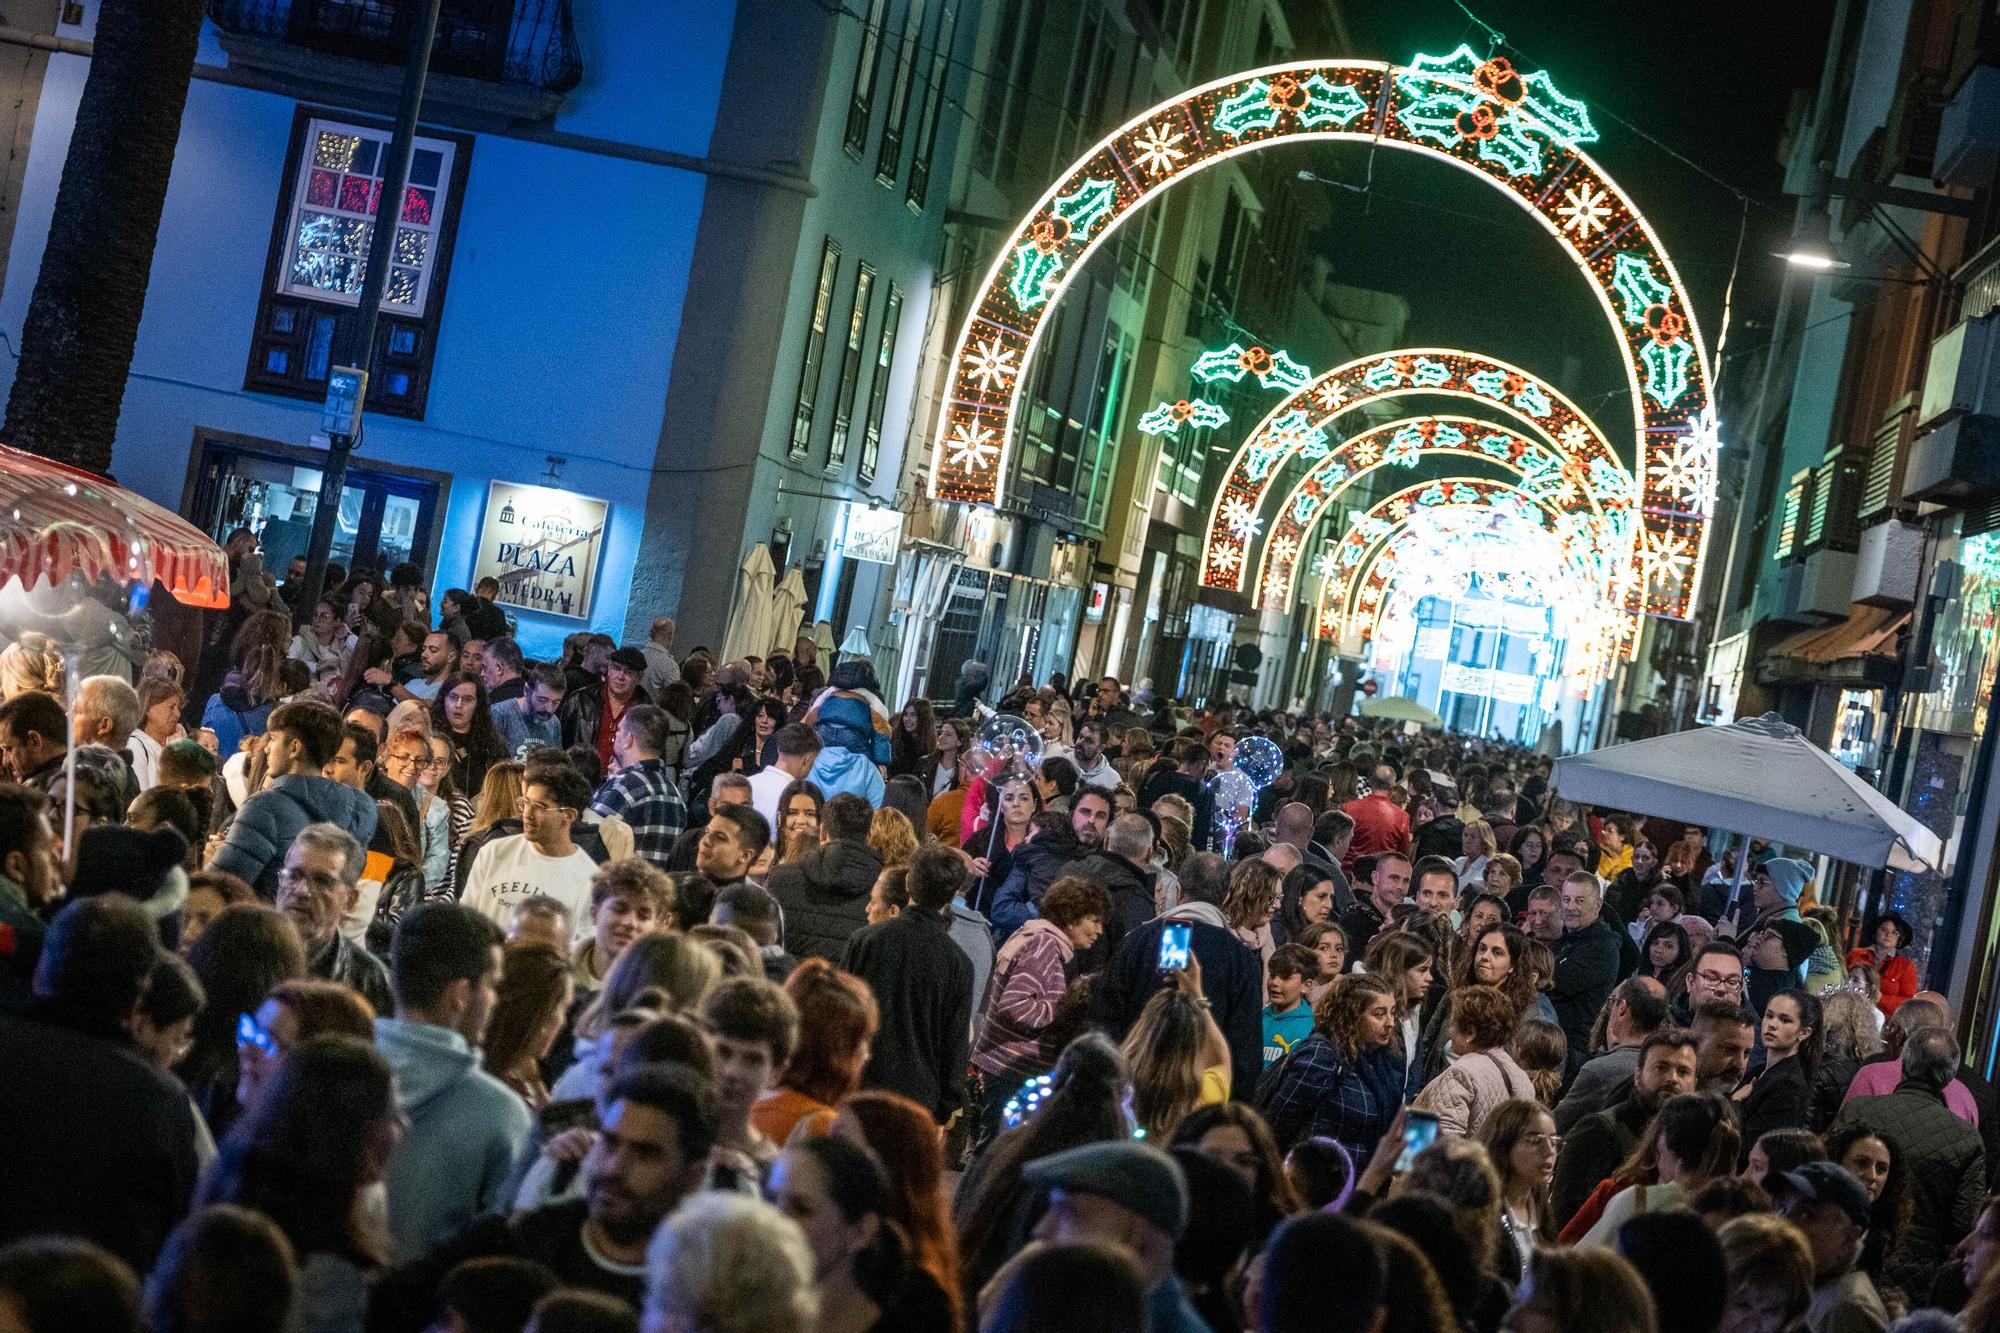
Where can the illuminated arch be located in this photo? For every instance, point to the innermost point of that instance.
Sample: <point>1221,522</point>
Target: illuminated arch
<point>1545,473</point>
<point>1364,566</point>
<point>1516,131</point>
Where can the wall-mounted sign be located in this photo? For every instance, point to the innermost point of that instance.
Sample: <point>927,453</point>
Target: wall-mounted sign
<point>874,535</point>
<point>542,545</point>
<point>1100,593</point>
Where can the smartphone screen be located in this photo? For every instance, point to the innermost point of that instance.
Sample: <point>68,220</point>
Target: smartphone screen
<point>1174,946</point>
<point>1420,1131</point>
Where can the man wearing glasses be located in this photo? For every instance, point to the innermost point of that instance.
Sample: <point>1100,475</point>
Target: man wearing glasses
<point>542,858</point>
<point>317,888</point>
<point>1717,974</point>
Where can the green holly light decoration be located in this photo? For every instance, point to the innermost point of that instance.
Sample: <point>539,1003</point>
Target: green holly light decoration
<point>1667,370</point>
<point>1039,259</point>
<point>1264,102</point>
<point>1167,418</point>
<point>1449,100</point>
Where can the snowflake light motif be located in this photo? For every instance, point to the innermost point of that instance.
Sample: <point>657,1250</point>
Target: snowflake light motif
<point>1583,210</point>
<point>973,448</point>
<point>1284,550</point>
<point>1330,396</point>
<point>1684,470</point>
<point>1226,560</point>
<point>1574,438</point>
<point>1324,564</point>
<point>992,365</point>
<point>1665,559</point>
<point>1158,150</point>
<point>1241,518</point>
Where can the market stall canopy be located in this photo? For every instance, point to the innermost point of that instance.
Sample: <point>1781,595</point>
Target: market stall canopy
<point>56,521</point>
<point>1400,710</point>
<point>1760,778</point>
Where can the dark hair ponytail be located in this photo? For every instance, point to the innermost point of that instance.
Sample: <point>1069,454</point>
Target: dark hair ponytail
<point>859,1187</point>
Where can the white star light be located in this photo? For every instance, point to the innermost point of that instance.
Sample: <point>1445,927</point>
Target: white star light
<point>1324,564</point>
<point>1683,470</point>
<point>1241,517</point>
<point>1284,551</point>
<point>1574,438</point>
<point>1159,150</point>
<point>1584,210</point>
<point>1226,559</point>
<point>1330,395</point>
<point>1665,559</point>
<point>993,366</point>
<point>973,448</point>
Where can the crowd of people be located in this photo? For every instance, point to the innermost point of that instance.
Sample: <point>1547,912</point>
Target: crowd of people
<point>368,975</point>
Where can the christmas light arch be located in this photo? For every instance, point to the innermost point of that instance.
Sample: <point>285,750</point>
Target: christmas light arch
<point>1303,425</point>
<point>1365,566</point>
<point>1516,131</point>
<point>1600,505</point>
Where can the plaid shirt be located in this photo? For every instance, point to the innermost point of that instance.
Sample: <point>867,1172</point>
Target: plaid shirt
<point>1314,1091</point>
<point>646,797</point>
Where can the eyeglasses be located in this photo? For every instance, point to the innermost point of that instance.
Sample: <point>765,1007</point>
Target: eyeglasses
<point>252,1035</point>
<point>317,881</point>
<point>536,809</point>
<point>1726,980</point>
<point>1553,1142</point>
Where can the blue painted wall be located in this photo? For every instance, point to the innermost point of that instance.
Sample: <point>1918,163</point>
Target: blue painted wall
<point>562,311</point>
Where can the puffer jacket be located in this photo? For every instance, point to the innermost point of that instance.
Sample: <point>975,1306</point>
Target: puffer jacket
<point>837,771</point>
<point>263,829</point>
<point>233,713</point>
<point>1468,1090</point>
<point>1028,986</point>
<point>825,897</point>
<point>1038,863</point>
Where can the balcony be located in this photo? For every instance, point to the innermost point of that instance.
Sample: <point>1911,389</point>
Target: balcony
<point>505,59</point>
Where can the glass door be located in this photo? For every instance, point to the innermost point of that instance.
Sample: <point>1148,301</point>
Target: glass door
<point>385,518</point>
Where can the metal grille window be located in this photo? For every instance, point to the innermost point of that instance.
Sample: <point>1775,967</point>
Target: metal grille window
<point>862,101</point>
<point>926,144</point>
<point>891,154</point>
<point>808,395</point>
<point>1883,485</point>
<point>1788,528</point>
<point>878,387</point>
<point>850,367</point>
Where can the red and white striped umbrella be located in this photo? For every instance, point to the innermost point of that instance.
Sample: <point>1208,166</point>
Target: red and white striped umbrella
<point>56,519</point>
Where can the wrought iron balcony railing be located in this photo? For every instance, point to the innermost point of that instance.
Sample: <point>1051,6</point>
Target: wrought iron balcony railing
<point>524,43</point>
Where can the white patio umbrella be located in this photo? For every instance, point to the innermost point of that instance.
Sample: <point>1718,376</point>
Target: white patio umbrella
<point>790,610</point>
<point>1400,710</point>
<point>1758,778</point>
<point>750,623</point>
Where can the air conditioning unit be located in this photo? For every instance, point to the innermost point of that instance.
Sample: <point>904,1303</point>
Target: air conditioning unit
<point>1960,378</point>
<point>1968,147</point>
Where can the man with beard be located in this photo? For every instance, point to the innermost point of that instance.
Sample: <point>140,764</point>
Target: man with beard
<point>1603,1139</point>
<point>1388,886</point>
<point>660,1124</point>
<point>1048,856</point>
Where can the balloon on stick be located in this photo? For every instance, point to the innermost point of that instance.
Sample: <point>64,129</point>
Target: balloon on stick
<point>1233,794</point>
<point>1259,759</point>
<point>1009,743</point>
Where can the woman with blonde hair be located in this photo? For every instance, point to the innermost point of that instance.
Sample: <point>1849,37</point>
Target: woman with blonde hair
<point>1057,740</point>
<point>31,662</point>
<point>727,1263</point>
<point>1848,1019</point>
<point>499,802</point>
<point>1770,1269</point>
<point>1256,888</point>
<point>1179,1057</point>
<point>1478,847</point>
<point>681,970</point>
<point>893,838</point>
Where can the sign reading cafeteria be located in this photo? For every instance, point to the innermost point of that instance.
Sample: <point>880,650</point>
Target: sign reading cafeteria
<point>542,544</point>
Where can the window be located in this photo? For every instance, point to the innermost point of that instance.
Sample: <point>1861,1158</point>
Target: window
<point>850,367</point>
<point>891,154</point>
<point>1788,527</point>
<point>920,159</point>
<point>878,388</point>
<point>320,241</point>
<point>802,409</point>
<point>863,99</point>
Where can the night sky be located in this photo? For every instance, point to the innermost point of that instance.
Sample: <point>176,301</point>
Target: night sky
<point>1713,81</point>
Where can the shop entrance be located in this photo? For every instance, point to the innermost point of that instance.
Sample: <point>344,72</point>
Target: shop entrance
<point>388,514</point>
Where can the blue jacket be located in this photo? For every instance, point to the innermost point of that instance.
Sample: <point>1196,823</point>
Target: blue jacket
<point>837,770</point>
<point>264,828</point>
<point>466,1127</point>
<point>1038,863</point>
<point>231,715</point>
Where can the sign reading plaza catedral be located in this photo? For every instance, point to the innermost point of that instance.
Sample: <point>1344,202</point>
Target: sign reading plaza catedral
<point>542,544</point>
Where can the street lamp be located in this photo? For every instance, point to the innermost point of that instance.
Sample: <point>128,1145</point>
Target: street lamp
<point>1811,245</point>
